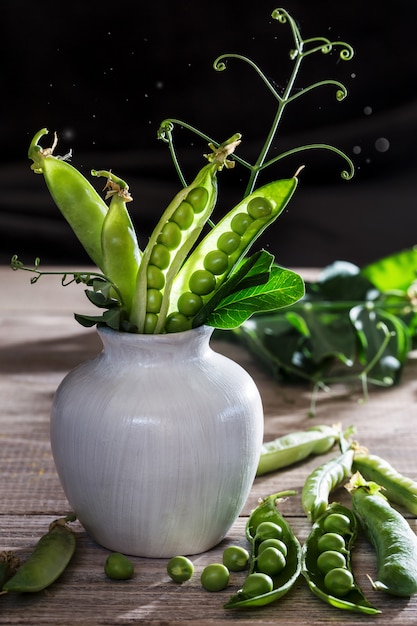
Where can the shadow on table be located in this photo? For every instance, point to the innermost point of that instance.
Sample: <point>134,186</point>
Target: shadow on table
<point>51,355</point>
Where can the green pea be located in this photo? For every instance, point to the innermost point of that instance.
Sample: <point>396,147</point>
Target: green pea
<point>331,541</point>
<point>235,558</point>
<point>150,323</point>
<point>259,207</point>
<point>216,262</point>
<point>228,242</point>
<point>257,584</point>
<point>273,543</point>
<point>339,581</point>
<point>330,559</point>
<point>189,303</point>
<point>202,282</point>
<point>177,322</point>
<point>118,567</point>
<point>338,523</point>
<point>180,569</point>
<point>240,223</point>
<point>198,199</point>
<point>183,215</point>
<point>155,277</point>
<point>271,561</point>
<point>153,301</point>
<point>215,577</point>
<point>268,530</point>
<point>160,256</point>
<point>170,235</point>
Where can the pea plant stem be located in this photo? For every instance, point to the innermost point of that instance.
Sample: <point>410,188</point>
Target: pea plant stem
<point>282,102</point>
<point>302,48</point>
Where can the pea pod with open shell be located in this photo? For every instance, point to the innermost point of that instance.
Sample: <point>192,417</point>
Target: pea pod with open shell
<point>266,523</point>
<point>322,557</point>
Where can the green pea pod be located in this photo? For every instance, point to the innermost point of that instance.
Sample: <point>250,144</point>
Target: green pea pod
<point>119,244</point>
<point>296,447</point>
<point>47,562</point>
<point>267,511</point>
<point>76,198</point>
<point>9,563</point>
<point>172,238</point>
<point>389,532</point>
<point>225,245</point>
<point>321,481</point>
<point>397,488</point>
<point>313,570</point>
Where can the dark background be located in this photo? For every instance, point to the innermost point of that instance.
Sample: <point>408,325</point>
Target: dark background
<point>105,75</point>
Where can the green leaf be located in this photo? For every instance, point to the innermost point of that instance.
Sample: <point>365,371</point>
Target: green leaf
<point>250,281</point>
<point>111,318</point>
<point>330,335</point>
<point>88,321</point>
<point>283,288</point>
<point>341,281</point>
<point>277,345</point>
<point>397,271</point>
<point>348,327</point>
<point>101,300</point>
<point>252,271</point>
<point>384,342</point>
<point>298,321</point>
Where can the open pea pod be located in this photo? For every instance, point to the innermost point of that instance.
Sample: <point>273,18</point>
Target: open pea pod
<point>319,543</point>
<point>220,252</point>
<point>267,511</point>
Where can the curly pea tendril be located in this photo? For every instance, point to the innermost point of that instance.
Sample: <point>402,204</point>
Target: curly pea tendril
<point>100,283</point>
<point>67,277</point>
<point>302,49</point>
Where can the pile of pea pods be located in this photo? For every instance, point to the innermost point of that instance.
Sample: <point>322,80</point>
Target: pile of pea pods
<point>324,560</point>
<point>178,280</point>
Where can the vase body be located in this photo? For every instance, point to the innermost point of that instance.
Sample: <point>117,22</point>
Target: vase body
<point>156,441</point>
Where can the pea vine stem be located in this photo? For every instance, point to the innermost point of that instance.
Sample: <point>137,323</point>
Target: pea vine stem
<point>76,277</point>
<point>362,376</point>
<point>323,383</point>
<point>165,133</point>
<point>302,48</point>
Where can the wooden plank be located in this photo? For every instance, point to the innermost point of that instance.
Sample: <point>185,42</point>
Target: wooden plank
<point>83,595</point>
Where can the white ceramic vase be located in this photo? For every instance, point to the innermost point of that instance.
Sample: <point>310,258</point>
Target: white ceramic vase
<point>156,442</point>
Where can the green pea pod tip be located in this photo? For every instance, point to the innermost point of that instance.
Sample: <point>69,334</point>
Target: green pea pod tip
<point>114,186</point>
<point>357,481</point>
<point>37,154</point>
<point>219,154</point>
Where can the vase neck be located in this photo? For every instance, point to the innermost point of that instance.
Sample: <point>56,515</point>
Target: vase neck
<point>154,348</point>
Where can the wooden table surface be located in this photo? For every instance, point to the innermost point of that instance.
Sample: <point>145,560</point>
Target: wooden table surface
<point>39,343</point>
